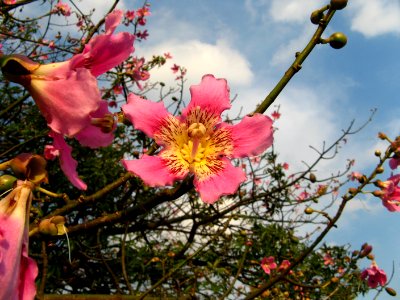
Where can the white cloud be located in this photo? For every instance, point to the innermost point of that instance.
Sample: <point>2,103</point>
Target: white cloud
<point>375,17</point>
<point>293,10</point>
<point>200,58</point>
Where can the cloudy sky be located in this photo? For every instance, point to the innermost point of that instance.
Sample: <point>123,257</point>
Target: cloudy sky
<point>252,42</point>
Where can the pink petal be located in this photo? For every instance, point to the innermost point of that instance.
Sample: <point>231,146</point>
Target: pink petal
<point>226,182</point>
<point>67,100</point>
<point>67,163</point>
<point>145,115</point>
<point>394,163</point>
<point>17,270</point>
<point>152,170</point>
<point>252,135</point>
<point>113,19</point>
<point>92,136</point>
<point>211,94</point>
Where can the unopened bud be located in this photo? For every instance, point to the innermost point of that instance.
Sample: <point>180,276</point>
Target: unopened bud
<point>390,291</point>
<point>6,182</point>
<point>378,153</point>
<point>378,193</point>
<point>53,226</point>
<point>371,256</point>
<point>337,40</point>
<point>313,178</point>
<point>316,16</point>
<point>334,279</point>
<point>29,166</point>
<point>353,191</point>
<point>382,136</point>
<point>366,251</point>
<point>355,253</point>
<point>338,4</point>
<point>308,210</point>
<point>380,170</point>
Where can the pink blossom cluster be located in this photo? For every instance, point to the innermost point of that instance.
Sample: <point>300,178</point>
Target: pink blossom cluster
<point>62,8</point>
<point>374,276</point>
<point>268,264</point>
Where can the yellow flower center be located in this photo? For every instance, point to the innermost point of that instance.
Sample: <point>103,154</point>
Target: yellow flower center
<point>195,145</point>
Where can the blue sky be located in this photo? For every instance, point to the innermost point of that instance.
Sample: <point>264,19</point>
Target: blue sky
<point>252,42</point>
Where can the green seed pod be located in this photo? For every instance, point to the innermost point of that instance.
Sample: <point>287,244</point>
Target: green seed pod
<point>316,16</point>
<point>338,4</point>
<point>6,182</point>
<point>337,40</point>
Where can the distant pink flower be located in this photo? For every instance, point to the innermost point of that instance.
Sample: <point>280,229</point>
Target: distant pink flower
<point>143,12</point>
<point>197,142</point>
<point>285,166</point>
<point>390,193</point>
<point>67,93</point>
<point>142,34</point>
<point>268,264</point>
<point>328,260</point>
<point>130,15</point>
<point>374,275</point>
<point>167,55</point>
<point>284,265</point>
<point>303,196</point>
<point>175,68</point>
<point>9,2</point>
<point>355,176</point>
<point>117,89</point>
<point>17,270</point>
<point>63,9</point>
<point>275,115</point>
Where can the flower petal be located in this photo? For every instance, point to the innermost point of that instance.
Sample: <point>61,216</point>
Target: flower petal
<point>67,163</point>
<point>66,101</point>
<point>211,95</point>
<point>92,136</point>
<point>113,19</point>
<point>252,135</point>
<point>226,182</point>
<point>152,170</point>
<point>17,270</point>
<point>145,115</point>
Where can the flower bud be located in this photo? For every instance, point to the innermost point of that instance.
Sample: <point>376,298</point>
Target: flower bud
<point>353,191</point>
<point>366,251</point>
<point>308,210</point>
<point>378,153</point>
<point>53,226</point>
<point>334,279</point>
<point>30,166</point>
<point>6,182</point>
<point>313,178</point>
<point>380,170</point>
<point>390,291</point>
<point>371,256</point>
<point>338,4</point>
<point>382,136</point>
<point>337,40</point>
<point>316,16</point>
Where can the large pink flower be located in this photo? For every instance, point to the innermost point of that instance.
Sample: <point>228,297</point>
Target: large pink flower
<point>197,142</point>
<point>66,92</point>
<point>390,193</point>
<point>374,275</point>
<point>17,270</point>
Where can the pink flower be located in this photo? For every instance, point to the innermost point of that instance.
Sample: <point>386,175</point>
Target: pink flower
<point>285,166</point>
<point>167,55</point>
<point>390,193</point>
<point>67,93</point>
<point>63,9</point>
<point>197,142</point>
<point>374,275</point>
<point>268,264</point>
<point>10,2</point>
<point>328,260</point>
<point>175,68</point>
<point>284,265</point>
<point>275,115</point>
<point>355,176</point>
<point>303,196</point>
<point>130,15</point>
<point>394,162</point>
<point>17,270</point>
